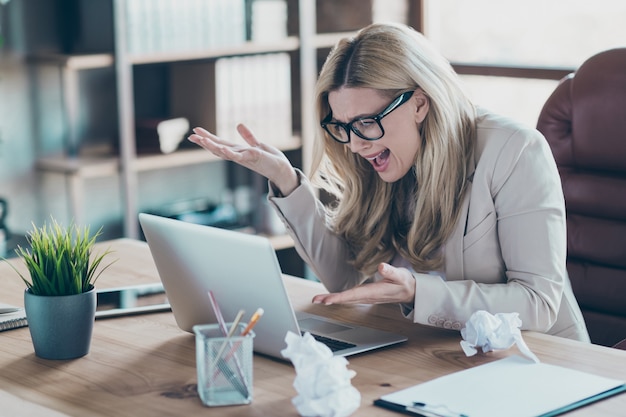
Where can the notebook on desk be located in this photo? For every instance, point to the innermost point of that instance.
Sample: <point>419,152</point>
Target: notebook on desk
<point>12,317</point>
<point>243,272</point>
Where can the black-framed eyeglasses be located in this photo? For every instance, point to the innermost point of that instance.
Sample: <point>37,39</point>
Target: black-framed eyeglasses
<point>368,128</point>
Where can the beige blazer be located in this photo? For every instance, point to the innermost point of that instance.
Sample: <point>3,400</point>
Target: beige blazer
<point>507,253</point>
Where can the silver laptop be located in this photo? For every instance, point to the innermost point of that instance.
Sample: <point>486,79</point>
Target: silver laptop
<point>243,273</point>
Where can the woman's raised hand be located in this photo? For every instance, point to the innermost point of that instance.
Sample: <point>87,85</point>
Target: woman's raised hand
<point>261,158</point>
<point>396,286</point>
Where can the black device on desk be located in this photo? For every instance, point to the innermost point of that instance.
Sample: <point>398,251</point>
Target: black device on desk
<point>111,302</point>
<point>131,300</point>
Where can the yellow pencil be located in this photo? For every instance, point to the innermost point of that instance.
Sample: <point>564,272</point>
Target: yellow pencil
<point>253,320</point>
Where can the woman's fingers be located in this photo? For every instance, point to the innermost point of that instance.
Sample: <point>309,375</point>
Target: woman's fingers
<point>202,136</point>
<point>210,145</point>
<point>264,159</point>
<point>247,135</point>
<point>363,294</point>
<point>397,286</point>
<point>208,136</point>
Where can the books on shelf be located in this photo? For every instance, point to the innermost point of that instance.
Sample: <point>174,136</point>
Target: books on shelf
<point>254,90</point>
<point>268,20</point>
<point>184,25</point>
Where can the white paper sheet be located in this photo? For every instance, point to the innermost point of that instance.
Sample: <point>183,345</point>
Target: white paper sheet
<point>512,387</point>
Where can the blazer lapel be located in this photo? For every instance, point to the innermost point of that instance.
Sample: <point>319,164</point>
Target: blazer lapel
<point>454,247</point>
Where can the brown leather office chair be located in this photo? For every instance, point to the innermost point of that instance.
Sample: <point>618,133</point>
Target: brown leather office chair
<point>584,121</point>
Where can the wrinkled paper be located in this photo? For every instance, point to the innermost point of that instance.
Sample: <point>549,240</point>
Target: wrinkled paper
<point>491,332</point>
<point>322,380</point>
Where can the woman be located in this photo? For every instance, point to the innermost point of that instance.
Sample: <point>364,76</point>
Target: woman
<point>440,206</point>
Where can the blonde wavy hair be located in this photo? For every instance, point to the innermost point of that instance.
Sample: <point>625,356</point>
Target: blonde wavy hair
<point>370,214</point>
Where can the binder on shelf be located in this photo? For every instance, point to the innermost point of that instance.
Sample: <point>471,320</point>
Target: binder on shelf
<point>156,26</point>
<point>268,20</point>
<point>255,90</point>
<point>512,387</point>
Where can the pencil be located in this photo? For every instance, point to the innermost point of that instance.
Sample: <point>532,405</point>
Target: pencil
<point>253,321</point>
<point>230,334</point>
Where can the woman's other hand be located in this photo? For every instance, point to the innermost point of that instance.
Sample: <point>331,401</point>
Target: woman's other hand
<point>397,286</point>
<point>261,158</point>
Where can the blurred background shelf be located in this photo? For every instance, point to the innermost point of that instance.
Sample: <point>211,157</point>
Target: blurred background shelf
<point>289,44</point>
<point>74,62</point>
<point>119,69</point>
<point>84,167</point>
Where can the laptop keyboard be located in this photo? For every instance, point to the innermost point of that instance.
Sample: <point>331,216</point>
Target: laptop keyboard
<point>333,344</point>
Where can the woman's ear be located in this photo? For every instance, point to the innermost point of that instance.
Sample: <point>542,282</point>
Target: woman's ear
<point>422,105</point>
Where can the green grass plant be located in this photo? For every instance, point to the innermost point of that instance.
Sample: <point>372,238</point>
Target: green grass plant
<point>59,260</point>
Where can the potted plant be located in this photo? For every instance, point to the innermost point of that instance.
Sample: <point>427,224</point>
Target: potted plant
<point>60,298</point>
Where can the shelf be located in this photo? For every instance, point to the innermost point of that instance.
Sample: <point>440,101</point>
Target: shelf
<point>88,167</point>
<point>288,44</point>
<point>92,61</point>
<point>103,167</point>
<point>74,62</point>
<point>92,167</point>
<point>84,167</point>
<point>172,160</point>
<point>328,40</point>
<point>190,157</point>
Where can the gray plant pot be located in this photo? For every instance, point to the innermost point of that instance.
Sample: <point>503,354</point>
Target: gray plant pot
<point>61,326</point>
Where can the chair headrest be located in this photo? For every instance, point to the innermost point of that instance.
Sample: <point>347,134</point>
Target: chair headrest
<point>584,120</point>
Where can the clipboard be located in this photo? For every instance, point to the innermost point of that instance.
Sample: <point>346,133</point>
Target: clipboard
<point>513,386</point>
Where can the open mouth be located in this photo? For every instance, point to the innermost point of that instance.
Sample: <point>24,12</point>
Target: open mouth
<point>380,159</point>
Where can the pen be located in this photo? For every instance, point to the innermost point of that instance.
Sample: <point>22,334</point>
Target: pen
<point>426,410</point>
<point>218,313</point>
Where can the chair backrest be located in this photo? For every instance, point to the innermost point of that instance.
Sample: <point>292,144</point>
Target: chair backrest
<point>584,121</point>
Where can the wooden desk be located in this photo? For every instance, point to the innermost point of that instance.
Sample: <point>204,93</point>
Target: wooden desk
<point>145,366</point>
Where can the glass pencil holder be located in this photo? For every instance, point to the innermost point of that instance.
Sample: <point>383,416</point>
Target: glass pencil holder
<point>224,365</point>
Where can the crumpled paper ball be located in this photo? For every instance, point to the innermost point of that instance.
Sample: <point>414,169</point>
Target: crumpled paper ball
<point>491,332</point>
<point>322,380</point>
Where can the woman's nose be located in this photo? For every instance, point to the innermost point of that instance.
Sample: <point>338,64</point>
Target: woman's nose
<point>357,144</point>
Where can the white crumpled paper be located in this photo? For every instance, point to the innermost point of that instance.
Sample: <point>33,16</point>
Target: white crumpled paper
<point>491,332</point>
<point>322,380</point>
